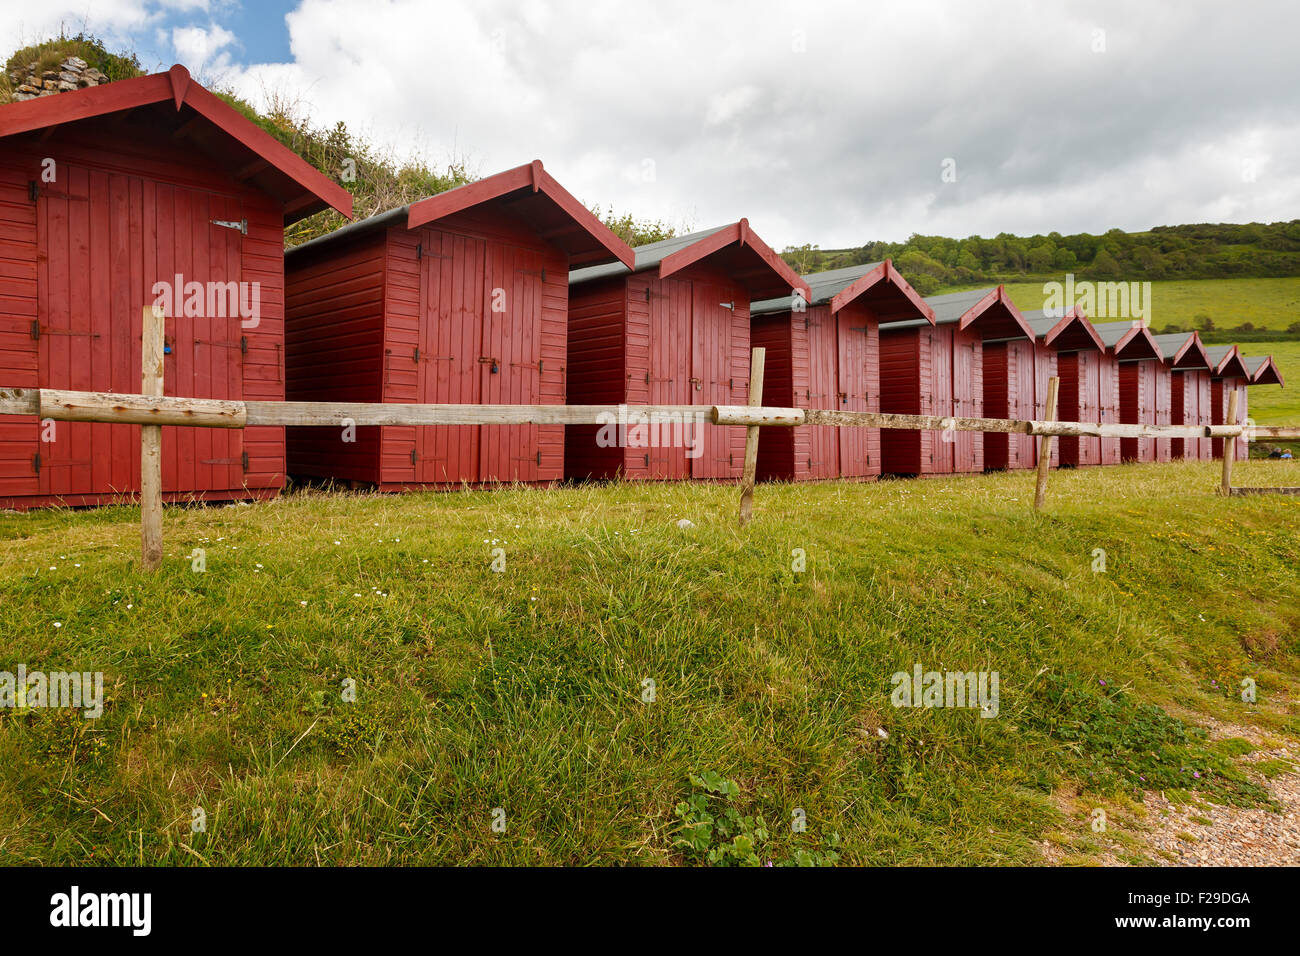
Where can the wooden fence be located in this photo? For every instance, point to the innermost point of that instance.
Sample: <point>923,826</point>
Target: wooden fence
<point>152,410</point>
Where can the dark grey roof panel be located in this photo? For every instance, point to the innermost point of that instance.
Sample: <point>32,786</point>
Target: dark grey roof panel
<point>824,286</point>
<point>648,256</point>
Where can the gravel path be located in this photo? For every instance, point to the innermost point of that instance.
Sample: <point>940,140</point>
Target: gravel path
<point>1233,837</point>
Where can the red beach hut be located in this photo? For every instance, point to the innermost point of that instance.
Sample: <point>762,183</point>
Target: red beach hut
<point>1079,353</point>
<point>670,327</point>
<point>1189,373</point>
<point>1144,386</point>
<point>1228,372</point>
<point>825,353</point>
<point>939,370</point>
<point>459,298</point>
<point>136,192</point>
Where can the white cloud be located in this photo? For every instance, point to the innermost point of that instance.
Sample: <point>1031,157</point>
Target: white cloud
<point>199,48</point>
<point>822,122</point>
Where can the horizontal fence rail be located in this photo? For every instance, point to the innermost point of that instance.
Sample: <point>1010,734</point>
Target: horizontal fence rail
<point>124,409</point>
<point>154,410</point>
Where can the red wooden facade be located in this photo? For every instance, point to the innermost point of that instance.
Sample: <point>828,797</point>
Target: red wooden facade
<point>1263,371</point>
<point>671,329</point>
<point>460,298</point>
<point>1145,396</point>
<point>1187,365</point>
<point>1228,372</point>
<point>105,192</point>
<point>1009,373</point>
<point>1078,351</point>
<point>825,353</point>
<point>939,370</point>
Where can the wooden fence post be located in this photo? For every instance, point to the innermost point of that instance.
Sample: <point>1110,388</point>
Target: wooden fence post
<point>756,361</point>
<point>1229,444</point>
<point>1045,446</point>
<point>151,357</point>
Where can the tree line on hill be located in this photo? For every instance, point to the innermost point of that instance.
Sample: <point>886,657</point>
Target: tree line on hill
<point>1196,251</point>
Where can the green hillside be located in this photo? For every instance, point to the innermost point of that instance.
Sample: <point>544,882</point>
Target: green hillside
<point>1270,405</point>
<point>1215,306</point>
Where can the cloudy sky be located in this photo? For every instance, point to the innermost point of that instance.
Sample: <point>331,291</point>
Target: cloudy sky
<point>831,122</point>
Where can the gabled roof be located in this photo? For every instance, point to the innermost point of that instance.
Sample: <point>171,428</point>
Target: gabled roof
<point>989,311</point>
<point>1263,371</point>
<point>528,193</point>
<point>1129,341</point>
<point>735,249</point>
<point>1225,362</point>
<point>876,284</point>
<point>1183,350</point>
<point>1071,332</point>
<point>200,119</point>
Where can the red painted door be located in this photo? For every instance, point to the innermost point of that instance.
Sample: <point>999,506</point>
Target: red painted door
<point>109,238</point>
<point>1206,403</point>
<point>967,400</point>
<point>670,383</point>
<point>941,381</point>
<point>1108,377</point>
<point>822,392</point>
<point>711,373</point>
<point>510,361</point>
<point>1093,404</point>
<point>452,291</point>
<point>1047,365</point>
<point>853,352</point>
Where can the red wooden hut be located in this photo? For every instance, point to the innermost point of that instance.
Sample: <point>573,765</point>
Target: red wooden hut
<point>1189,373</point>
<point>939,370</point>
<point>143,191</point>
<point>1009,369</point>
<point>1263,371</point>
<point>1145,386</point>
<point>825,353</point>
<point>1081,397</point>
<point>1228,372</point>
<point>1026,369</point>
<point>671,328</point>
<point>459,298</point>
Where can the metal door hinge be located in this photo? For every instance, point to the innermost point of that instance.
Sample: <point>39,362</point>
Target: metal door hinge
<point>33,190</point>
<point>243,460</point>
<point>36,330</point>
<point>647,461</point>
<point>539,458</point>
<point>413,456</point>
<point>36,463</point>
<point>239,225</point>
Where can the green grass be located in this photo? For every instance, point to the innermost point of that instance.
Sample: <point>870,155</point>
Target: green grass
<point>1265,303</point>
<point>1269,404</point>
<point>524,690</point>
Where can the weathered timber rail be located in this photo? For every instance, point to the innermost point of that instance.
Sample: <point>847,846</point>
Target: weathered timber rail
<point>153,410</point>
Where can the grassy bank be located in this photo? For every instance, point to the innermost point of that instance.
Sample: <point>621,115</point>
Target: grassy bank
<point>525,690</point>
<point>1264,303</point>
